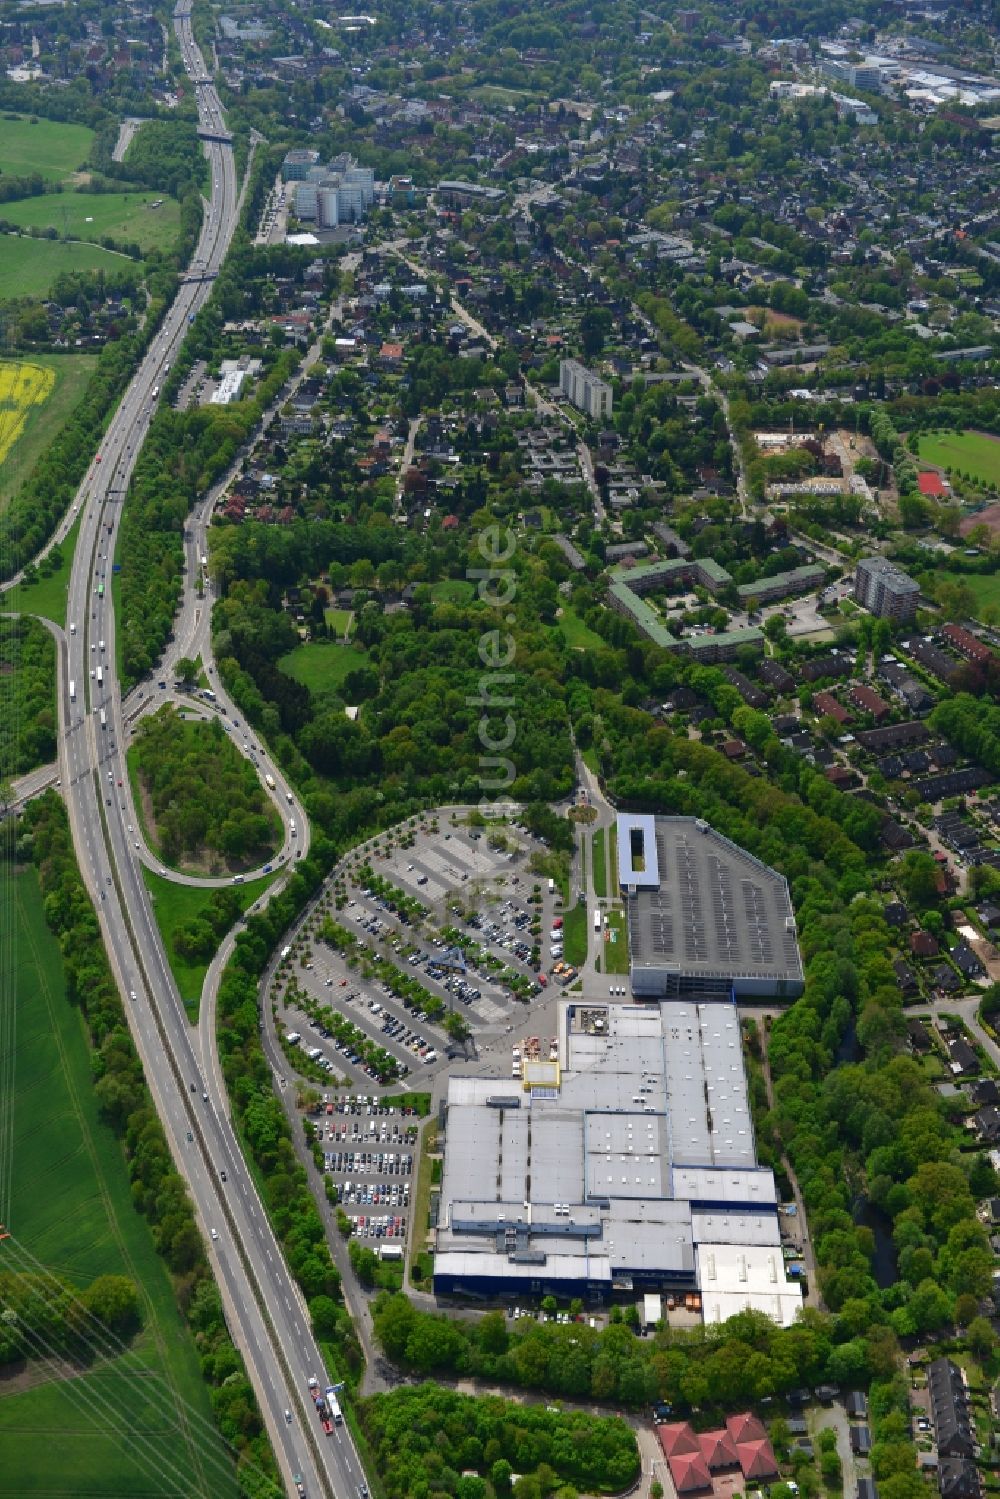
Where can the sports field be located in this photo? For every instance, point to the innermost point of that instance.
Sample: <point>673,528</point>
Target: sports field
<point>116,1428</point>
<point>29,267</point>
<point>128,217</point>
<point>27,426</point>
<point>975,453</point>
<point>52,148</point>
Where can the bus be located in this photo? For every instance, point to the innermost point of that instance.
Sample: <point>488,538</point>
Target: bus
<point>333,1405</point>
<point>104,719</point>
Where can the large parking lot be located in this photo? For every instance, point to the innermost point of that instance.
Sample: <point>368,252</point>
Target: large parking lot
<point>368,1152</point>
<point>438,924</point>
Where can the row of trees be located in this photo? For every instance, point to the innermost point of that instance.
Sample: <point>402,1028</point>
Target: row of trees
<point>263,1124</point>
<point>972,726</point>
<point>28,723</point>
<point>892,448</point>
<point>158,1190</point>
<point>748,1358</point>
<point>61,1312</point>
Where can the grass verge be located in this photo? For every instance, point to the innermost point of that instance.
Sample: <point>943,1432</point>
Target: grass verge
<point>600,864</point>
<point>47,595</point>
<point>420,1216</point>
<point>177,906</point>
<point>575,934</point>
<point>616,943</point>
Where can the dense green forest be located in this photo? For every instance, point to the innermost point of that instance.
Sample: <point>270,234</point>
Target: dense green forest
<point>206,797</point>
<point>431,1441</point>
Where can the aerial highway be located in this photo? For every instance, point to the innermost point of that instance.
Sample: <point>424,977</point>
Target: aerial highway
<point>264,1307</point>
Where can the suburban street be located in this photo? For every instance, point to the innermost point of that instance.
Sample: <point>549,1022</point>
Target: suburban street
<point>264,1307</point>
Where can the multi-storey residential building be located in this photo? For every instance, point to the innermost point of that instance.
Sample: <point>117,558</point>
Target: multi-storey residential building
<point>885,590</point>
<point>587,392</point>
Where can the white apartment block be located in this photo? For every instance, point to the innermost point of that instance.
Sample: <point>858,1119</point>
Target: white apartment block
<point>586,391</point>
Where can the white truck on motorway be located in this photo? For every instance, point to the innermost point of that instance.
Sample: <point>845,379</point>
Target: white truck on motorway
<point>269,782</point>
<point>72,690</point>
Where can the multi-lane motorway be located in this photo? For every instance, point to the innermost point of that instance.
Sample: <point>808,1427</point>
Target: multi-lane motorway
<point>263,1305</point>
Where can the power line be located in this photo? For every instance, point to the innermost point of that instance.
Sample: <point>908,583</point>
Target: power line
<point>105,1343</point>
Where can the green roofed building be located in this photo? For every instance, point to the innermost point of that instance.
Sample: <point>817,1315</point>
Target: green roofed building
<point>780,585</point>
<point>679,572</point>
<point>722,646</point>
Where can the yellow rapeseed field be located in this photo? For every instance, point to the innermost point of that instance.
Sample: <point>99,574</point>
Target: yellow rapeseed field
<point>21,387</point>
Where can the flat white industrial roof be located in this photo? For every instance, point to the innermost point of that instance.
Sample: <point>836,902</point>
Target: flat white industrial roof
<point>642,1151</point>
<point>733,1278</point>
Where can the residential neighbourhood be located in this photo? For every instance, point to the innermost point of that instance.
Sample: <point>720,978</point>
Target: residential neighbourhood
<point>500,671</point>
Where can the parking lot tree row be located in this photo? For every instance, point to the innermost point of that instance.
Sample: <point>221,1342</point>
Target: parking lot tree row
<point>490,966</point>
<point>358,1048</point>
<point>413,994</point>
<point>405,906</point>
<point>428,1005</point>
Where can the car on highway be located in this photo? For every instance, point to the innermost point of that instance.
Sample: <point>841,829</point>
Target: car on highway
<point>215,1235</point>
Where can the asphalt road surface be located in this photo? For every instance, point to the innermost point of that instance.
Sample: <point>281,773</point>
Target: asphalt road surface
<point>264,1307</point>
